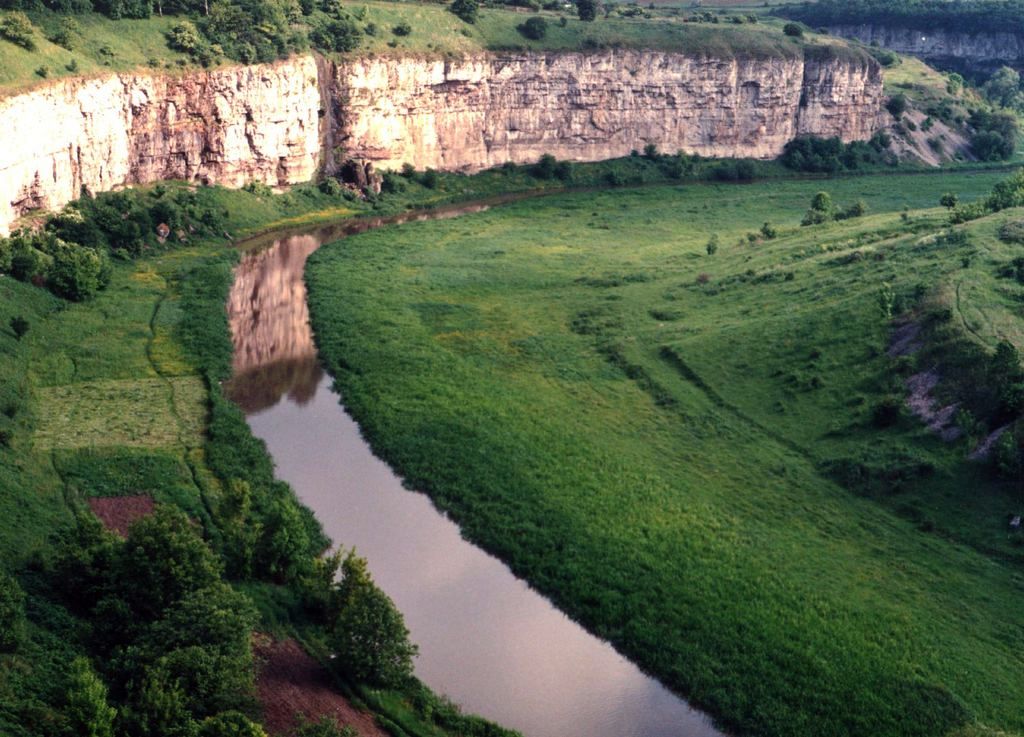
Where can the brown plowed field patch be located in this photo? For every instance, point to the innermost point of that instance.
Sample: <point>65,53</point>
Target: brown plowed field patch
<point>118,512</point>
<point>292,685</point>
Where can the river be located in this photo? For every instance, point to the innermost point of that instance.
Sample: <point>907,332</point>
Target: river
<point>487,640</point>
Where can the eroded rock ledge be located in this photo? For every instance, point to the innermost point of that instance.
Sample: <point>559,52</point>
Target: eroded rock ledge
<point>279,123</point>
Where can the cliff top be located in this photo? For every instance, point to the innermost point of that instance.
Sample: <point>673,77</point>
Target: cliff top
<point>55,45</point>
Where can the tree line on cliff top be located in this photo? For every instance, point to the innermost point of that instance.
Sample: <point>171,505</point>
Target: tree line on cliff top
<point>964,16</point>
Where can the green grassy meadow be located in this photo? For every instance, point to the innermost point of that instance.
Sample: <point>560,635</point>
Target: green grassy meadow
<point>643,432</point>
<point>101,45</point>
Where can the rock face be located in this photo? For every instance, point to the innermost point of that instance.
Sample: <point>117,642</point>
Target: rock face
<point>280,123</point>
<point>482,111</point>
<point>226,126</point>
<point>965,51</point>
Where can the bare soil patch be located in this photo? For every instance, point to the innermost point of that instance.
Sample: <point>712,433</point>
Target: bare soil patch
<point>291,686</point>
<point>117,513</point>
<point>920,401</point>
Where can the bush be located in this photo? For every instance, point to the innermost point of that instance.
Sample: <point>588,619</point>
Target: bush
<point>712,246</point>
<point>1012,231</point>
<point>402,29</point>
<point>586,9</point>
<point>184,36</point>
<point>467,10</point>
<point>793,30</point>
<point>887,413</point>
<point>12,613</point>
<point>370,637</point>
<point>545,167</point>
<point>87,709</point>
<point>17,28</point>
<point>534,28</point>
<point>76,272</point>
<point>19,326</point>
<point>430,179</point>
<point>897,105</point>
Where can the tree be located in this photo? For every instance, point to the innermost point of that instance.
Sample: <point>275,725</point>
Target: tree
<point>586,9</point>
<point>284,550</point>
<point>163,560</point>
<point>77,273</point>
<point>949,200</point>
<point>897,105</point>
<point>19,326</point>
<point>17,28</point>
<point>545,167</point>
<point>12,613</point>
<point>793,30</point>
<point>534,28</point>
<point>1003,88</point>
<point>87,709</point>
<point>467,10</point>
<point>370,636</point>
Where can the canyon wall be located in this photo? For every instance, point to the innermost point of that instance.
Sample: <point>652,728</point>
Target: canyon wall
<point>280,123</point>
<point>481,111</point>
<point>228,126</point>
<point>963,51</point>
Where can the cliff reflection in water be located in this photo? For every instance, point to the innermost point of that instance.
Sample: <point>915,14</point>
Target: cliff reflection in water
<point>274,351</point>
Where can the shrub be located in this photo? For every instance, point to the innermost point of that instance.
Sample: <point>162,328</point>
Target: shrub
<point>63,36</point>
<point>184,36</point>
<point>897,105</point>
<point>12,613</point>
<point>949,200</point>
<point>17,28</point>
<point>370,637</point>
<point>467,10</point>
<point>402,29</point>
<point>430,179</point>
<point>230,724</point>
<point>1012,231</point>
<point>534,28</point>
<point>19,326</point>
<point>651,152</point>
<point>712,245</point>
<point>768,231</point>
<point>793,30</point>
<point>87,709</point>
<point>545,167</point>
<point>586,9</point>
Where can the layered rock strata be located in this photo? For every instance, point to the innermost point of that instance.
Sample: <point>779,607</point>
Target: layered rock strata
<point>281,123</point>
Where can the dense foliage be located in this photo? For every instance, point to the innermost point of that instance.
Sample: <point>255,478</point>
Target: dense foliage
<point>971,16</point>
<point>831,155</point>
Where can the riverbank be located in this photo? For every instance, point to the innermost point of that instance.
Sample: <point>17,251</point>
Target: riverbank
<point>642,427</point>
<point>119,397</point>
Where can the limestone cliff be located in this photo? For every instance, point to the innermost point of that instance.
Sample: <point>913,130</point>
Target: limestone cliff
<point>278,123</point>
<point>965,51</point>
<point>485,110</point>
<point>226,126</point>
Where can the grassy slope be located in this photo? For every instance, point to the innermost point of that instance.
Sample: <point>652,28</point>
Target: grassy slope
<point>138,43</point>
<point>511,363</point>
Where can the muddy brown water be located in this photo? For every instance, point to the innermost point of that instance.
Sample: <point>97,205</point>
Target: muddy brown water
<point>487,640</point>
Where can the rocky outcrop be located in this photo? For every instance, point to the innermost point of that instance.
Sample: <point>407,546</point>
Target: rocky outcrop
<point>964,51</point>
<point>227,126</point>
<point>280,123</point>
<point>481,111</point>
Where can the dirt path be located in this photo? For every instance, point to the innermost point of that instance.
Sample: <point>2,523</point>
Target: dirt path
<point>291,684</point>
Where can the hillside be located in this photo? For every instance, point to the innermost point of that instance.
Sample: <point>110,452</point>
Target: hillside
<point>97,44</point>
